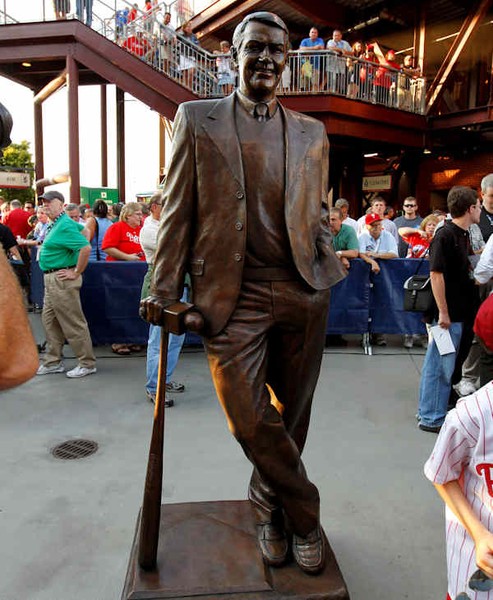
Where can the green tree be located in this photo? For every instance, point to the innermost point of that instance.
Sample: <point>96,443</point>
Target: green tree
<point>18,156</point>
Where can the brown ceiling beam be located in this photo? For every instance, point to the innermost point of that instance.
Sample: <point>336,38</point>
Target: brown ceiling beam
<point>468,28</point>
<point>475,116</point>
<point>39,51</point>
<point>212,12</point>
<point>235,13</point>
<point>50,88</point>
<point>319,11</point>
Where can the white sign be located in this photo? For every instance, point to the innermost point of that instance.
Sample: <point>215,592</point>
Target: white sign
<point>377,183</point>
<point>11,179</point>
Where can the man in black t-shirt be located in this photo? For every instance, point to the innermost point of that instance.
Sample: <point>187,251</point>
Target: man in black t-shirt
<point>456,299</point>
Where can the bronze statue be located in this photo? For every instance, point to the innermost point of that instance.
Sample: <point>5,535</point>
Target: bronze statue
<point>244,214</point>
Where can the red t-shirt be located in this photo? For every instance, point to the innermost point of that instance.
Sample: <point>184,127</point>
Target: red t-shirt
<point>124,238</point>
<point>418,246</point>
<point>16,221</point>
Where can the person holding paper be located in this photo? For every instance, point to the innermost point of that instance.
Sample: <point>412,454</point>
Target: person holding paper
<point>456,303</point>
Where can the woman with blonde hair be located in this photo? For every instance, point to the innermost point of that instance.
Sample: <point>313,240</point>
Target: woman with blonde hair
<point>419,239</point>
<point>121,242</point>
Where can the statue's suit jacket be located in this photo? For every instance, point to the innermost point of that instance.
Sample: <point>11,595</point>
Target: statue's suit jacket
<point>203,221</point>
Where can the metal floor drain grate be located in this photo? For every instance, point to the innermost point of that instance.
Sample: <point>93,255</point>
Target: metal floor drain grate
<point>73,449</point>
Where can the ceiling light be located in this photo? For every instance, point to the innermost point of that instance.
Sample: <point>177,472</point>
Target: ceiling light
<point>26,64</point>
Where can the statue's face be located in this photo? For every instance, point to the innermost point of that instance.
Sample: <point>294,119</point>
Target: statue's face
<point>261,60</point>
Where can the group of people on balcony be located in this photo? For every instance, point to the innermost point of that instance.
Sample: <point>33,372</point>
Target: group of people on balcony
<point>361,71</point>
<point>358,71</point>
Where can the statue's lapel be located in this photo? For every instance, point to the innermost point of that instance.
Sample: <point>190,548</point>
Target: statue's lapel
<point>220,127</point>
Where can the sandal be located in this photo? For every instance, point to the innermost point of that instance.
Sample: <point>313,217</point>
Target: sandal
<point>121,349</point>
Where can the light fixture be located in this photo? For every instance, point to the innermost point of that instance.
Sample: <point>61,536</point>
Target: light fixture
<point>26,64</point>
<point>371,155</point>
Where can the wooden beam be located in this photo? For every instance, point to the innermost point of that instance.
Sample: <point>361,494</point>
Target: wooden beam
<point>468,28</point>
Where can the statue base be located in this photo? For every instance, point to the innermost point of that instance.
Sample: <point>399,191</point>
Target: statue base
<point>209,550</point>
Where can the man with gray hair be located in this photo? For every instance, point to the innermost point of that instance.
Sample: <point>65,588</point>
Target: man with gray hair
<point>486,218</point>
<point>73,211</point>
<point>343,205</point>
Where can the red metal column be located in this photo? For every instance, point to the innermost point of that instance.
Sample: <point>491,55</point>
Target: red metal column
<point>104,137</point>
<point>38,143</point>
<point>73,129</point>
<point>120,143</point>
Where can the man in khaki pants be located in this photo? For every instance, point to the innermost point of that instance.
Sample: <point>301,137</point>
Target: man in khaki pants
<point>63,258</point>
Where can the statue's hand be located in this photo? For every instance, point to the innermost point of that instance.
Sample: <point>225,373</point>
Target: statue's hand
<point>152,309</point>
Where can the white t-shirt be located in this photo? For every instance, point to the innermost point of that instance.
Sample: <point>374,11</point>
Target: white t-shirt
<point>148,237</point>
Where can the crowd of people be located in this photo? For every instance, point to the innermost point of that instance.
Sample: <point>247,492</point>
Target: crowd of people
<point>361,70</point>
<point>79,235</point>
<point>113,233</point>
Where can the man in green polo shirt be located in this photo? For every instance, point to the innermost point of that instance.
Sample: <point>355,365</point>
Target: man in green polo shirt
<point>344,238</point>
<point>63,258</point>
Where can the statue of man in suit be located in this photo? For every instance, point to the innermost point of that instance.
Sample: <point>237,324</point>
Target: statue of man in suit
<point>244,214</point>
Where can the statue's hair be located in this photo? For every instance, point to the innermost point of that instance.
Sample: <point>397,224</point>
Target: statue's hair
<point>267,18</point>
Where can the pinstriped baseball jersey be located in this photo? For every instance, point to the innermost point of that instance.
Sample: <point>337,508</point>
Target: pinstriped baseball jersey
<point>464,451</point>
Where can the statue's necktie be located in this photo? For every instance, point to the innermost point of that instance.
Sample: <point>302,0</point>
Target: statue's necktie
<point>261,112</point>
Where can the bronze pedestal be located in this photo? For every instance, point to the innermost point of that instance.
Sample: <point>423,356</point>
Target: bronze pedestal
<point>208,550</point>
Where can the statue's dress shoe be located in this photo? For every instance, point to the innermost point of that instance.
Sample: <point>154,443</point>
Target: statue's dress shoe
<point>273,543</point>
<point>309,551</point>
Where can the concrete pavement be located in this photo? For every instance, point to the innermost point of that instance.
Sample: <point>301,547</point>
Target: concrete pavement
<point>67,526</point>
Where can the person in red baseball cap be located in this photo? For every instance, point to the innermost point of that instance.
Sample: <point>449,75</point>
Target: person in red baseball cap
<point>376,243</point>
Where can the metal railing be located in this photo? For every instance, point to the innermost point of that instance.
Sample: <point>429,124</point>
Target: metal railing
<point>322,72</point>
<point>327,72</point>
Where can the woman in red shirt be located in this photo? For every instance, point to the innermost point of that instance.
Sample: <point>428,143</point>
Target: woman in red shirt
<point>121,242</point>
<point>419,239</point>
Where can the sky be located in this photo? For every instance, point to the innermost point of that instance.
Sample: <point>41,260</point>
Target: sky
<point>141,134</point>
<point>141,124</point>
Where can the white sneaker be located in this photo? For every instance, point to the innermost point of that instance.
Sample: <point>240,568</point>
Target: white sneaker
<point>43,370</point>
<point>464,387</point>
<point>80,372</point>
<point>408,341</point>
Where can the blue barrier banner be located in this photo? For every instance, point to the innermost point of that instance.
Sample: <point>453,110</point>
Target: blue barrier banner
<point>362,302</point>
<point>110,297</point>
<point>110,300</point>
<point>387,297</point>
<point>350,301</point>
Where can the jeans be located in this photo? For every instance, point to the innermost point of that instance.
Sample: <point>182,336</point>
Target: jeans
<point>175,344</point>
<point>436,380</point>
<point>81,6</point>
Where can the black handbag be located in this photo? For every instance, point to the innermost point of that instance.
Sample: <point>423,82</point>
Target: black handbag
<point>418,296</point>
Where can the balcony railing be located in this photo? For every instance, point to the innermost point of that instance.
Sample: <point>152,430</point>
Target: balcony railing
<point>202,72</point>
